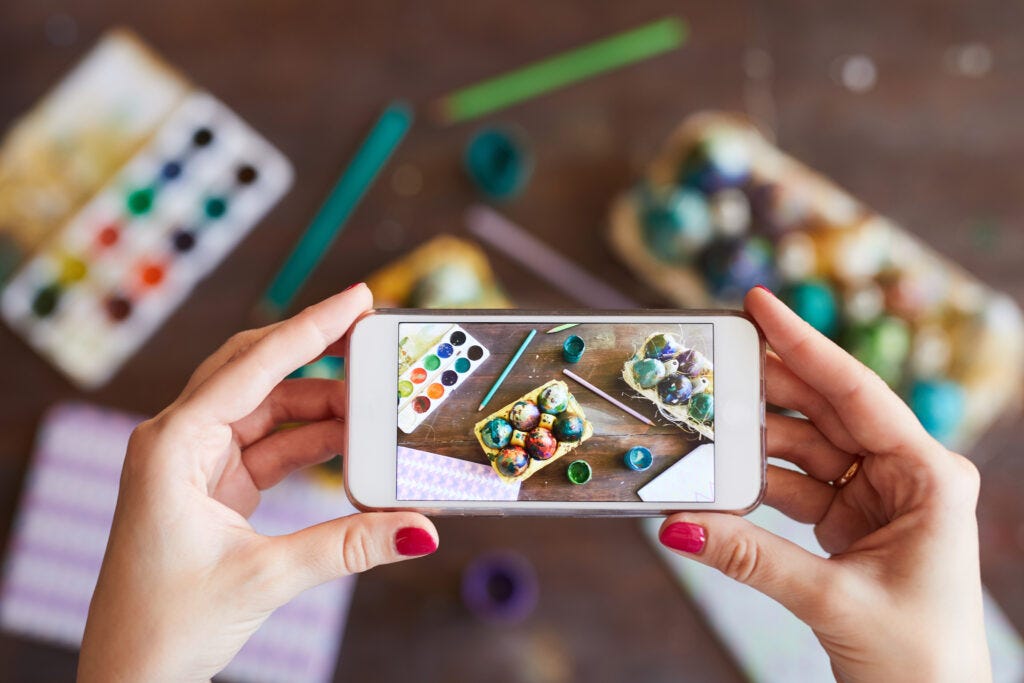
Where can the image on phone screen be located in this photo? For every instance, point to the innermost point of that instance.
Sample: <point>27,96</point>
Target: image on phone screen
<point>634,421</point>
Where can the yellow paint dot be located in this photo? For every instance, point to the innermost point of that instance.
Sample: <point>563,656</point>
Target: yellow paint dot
<point>72,270</point>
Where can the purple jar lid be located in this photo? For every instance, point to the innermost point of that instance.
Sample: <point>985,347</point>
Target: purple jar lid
<point>500,586</point>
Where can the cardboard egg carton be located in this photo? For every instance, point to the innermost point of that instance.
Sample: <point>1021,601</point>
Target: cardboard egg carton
<point>969,334</point>
<point>535,466</point>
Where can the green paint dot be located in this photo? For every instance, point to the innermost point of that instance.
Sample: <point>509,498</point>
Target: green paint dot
<point>215,207</point>
<point>404,388</point>
<point>46,300</point>
<point>141,201</point>
<point>431,362</point>
<point>462,365</point>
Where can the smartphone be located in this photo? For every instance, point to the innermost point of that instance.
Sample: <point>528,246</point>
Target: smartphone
<point>590,413</point>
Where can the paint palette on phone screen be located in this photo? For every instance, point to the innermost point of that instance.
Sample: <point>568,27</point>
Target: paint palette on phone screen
<point>446,362</point>
<point>99,287</point>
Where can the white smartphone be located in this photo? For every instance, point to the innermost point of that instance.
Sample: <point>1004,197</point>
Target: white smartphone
<point>570,413</point>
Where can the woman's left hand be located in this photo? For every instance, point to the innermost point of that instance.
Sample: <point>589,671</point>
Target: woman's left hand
<point>186,580</point>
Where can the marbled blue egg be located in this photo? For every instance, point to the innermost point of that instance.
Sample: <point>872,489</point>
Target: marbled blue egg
<point>569,427</point>
<point>675,389</point>
<point>496,433</point>
<point>554,399</point>
<point>647,372</point>
<point>719,161</point>
<point>732,266</point>
<point>662,347</point>
<point>676,223</point>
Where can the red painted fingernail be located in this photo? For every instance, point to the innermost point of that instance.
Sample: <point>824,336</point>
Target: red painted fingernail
<point>354,284</point>
<point>412,541</point>
<point>765,289</point>
<point>683,536</point>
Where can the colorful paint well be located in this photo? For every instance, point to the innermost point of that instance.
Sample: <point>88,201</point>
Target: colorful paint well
<point>579,472</point>
<point>638,458</point>
<point>573,348</point>
<point>436,373</point>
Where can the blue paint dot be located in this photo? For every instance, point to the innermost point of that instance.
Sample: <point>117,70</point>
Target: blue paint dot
<point>445,350</point>
<point>171,170</point>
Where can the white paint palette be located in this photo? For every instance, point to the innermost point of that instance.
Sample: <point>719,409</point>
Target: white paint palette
<point>107,280</point>
<point>436,374</point>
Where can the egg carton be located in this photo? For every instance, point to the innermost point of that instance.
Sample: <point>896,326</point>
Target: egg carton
<point>950,345</point>
<point>532,397</point>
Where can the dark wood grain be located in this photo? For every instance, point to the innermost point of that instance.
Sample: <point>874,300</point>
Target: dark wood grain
<point>940,153</point>
<point>450,428</point>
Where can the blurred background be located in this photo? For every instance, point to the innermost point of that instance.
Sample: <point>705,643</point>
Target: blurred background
<point>914,108</point>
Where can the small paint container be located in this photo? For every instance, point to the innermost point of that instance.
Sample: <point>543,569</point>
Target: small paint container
<point>500,586</point>
<point>579,472</point>
<point>638,458</point>
<point>499,162</point>
<point>573,348</point>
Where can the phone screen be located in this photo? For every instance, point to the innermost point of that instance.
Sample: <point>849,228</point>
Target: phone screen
<point>596,412</point>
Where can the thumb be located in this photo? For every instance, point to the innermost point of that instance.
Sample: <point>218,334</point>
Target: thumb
<point>351,545</point>
<point>782,570</point>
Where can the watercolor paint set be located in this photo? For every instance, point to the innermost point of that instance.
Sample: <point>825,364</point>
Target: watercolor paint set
<point>435,374</point>
<point>103,280</point>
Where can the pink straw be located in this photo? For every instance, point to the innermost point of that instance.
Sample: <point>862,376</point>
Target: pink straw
<point>614,402</point>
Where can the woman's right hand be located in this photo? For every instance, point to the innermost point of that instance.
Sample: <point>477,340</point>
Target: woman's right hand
<point>900,597</point>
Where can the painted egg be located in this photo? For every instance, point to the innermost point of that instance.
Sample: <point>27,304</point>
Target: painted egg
<point>814,301</point>
<point>512,461</point>
<point>569,427</point>
<point>496,433</point>
<point>881,345</point>
<point>675,389</point>
<point>732,266</point>
<point>939,405</point>
<point>541,444</point>
<point>686,360</point>
<point>676,223</point>
<point>662,347</point>
<point>647,372</point>
<point>524,415</point>
<point>776,208</point>
<point>554,399</point>
<point>719,161</point>
<point>702,407</point>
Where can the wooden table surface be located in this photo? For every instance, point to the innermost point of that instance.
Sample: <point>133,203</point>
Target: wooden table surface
<point>938,151</point>
<point>450,428</point>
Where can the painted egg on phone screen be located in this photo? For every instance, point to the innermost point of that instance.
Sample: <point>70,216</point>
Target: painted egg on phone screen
<point>512,461</point>
<point>524,415</point>
<point>647,372</point>
<point>496,433</point>
<point>541,444</point>
<point>675,389</point>
<point>702,407</point>
<point>568,427</point>
<point>662,347</point>
<point>554,399</point>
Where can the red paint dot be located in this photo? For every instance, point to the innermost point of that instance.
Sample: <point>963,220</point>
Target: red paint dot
<point>418,375</point>
<point>151,274</point>
<point>109,235</point>
<point>421,404</point>
<point>435,390</point>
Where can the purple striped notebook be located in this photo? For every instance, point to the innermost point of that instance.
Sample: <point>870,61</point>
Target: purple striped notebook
<point>60,532</point>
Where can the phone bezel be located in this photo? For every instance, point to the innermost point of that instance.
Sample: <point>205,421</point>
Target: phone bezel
<point>370,461</point>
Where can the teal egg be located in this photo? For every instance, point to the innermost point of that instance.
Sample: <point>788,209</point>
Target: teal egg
<point>702,407</point>
<point>496,433</point>
<point>568,427</point>
<point>554,399</point>
<point>815,302</point>
<point>939,405</point>
<point>647,372</point>
<point>676,223</point>
<point>882,345</point>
